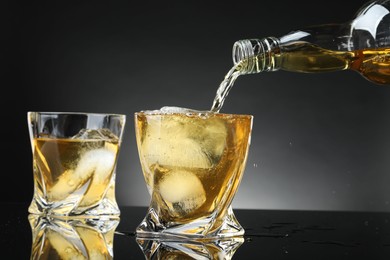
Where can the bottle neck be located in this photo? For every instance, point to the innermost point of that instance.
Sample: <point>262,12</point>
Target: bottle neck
<point>256,55</point>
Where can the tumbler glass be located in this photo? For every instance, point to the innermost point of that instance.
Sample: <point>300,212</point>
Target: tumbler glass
<point>192,165</point>
<point>74,161</point>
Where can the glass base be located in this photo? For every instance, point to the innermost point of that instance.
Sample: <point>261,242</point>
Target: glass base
<point>202,228</point>
<point>106,208</point>
<point>190,249</point>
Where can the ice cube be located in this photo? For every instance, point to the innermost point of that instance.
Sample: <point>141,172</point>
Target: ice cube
<point>208,130</point>
<point>168,143</point>
<point>211,135</point>
<point>184,141</point>
<point>177,110</point>
<point>182,191</point>
<point>96,134</point>
<point>181,110</point>
<point>97,164</point>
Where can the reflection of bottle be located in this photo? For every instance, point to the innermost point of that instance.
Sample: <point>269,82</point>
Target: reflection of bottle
<point>72,238</point>
<point>361,44</point>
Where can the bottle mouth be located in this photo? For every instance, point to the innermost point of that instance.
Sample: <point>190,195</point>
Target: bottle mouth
<point>242,50</point>
<point>255,55</point>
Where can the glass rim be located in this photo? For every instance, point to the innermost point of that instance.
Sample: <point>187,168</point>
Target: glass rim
<point>76,113</point>
<point>191,114</point>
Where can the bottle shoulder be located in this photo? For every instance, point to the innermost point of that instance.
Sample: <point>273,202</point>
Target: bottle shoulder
<point>370,28</point>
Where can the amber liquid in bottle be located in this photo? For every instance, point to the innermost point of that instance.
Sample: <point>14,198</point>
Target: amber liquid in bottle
<point>374,64</point>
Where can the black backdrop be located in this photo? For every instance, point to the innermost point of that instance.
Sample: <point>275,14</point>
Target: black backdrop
<point>320,141</point>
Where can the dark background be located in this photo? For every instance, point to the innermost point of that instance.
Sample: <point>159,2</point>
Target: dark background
<point>320,141</point>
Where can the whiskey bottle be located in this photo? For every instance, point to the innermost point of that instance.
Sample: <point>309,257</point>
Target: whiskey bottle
<point>361,44</point>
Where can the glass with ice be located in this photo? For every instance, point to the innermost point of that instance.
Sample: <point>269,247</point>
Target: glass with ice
<point>192,162</point>
<point>74,162</point>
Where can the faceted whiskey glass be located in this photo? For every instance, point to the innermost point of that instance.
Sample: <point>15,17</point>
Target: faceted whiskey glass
<point>74,163</point>
<point>192,165</point>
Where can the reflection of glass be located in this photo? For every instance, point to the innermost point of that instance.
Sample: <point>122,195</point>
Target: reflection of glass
<point>74,160</point>
<point>54,238</point>
<point>222,249</point>
<point>192,164</point>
